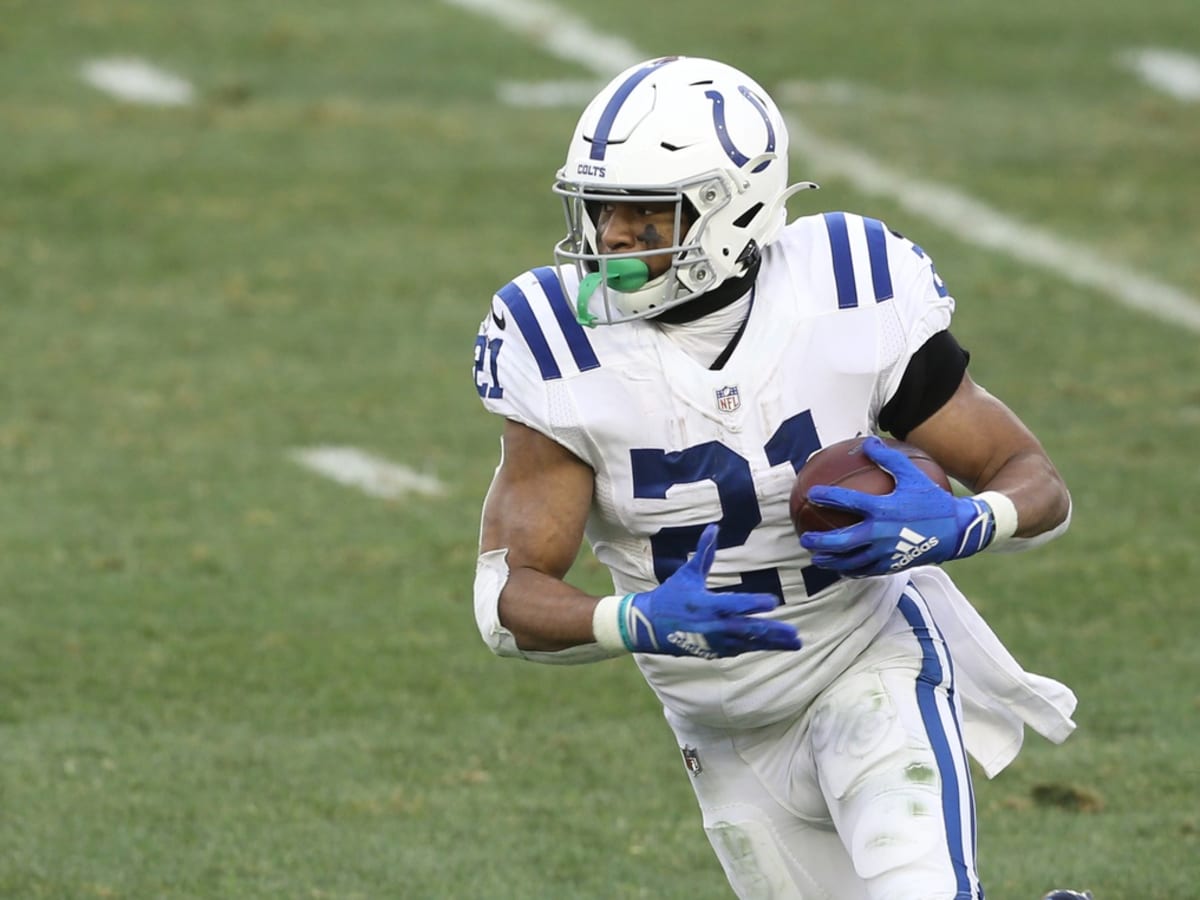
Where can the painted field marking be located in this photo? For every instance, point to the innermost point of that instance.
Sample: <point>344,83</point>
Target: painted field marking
<point>370,474</point>
<point>559,33</point>
<point>547,93</point>
<point>974,221</point>
<point>1170,71</point>
<point>137,81</point>
<point>971,220</point>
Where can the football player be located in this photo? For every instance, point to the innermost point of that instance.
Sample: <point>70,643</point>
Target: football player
<point>661,385</point>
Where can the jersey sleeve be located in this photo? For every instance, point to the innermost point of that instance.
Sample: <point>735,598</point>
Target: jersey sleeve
<point>879,296</point>
<point>506,376</point>
<point>528,346</point>
<point>921,307</point>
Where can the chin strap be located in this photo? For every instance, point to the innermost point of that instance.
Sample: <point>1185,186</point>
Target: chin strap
<point>625,275</point>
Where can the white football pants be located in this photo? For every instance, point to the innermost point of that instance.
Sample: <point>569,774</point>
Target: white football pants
<point>866,796</point>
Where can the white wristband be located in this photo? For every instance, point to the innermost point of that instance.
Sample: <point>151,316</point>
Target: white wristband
<point>1004,516</point>
<point>606,623</point>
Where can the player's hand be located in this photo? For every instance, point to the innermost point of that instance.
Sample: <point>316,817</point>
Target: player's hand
<point>917,524</point>
<point>681,617</point>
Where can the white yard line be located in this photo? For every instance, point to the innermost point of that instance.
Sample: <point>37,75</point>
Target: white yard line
<point>137,81</point>
<point>370,474</point>
<point>974,221</point>
<point>559,33</point>
<point>1170,71</point>
<point>971,220</point>
<point>548,93</point>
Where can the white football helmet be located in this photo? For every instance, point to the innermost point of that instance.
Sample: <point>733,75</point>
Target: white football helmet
<point>693,131</point>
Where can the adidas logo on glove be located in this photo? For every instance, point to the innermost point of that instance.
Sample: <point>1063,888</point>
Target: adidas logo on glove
<point>692,643</point>
<point>910,547</point>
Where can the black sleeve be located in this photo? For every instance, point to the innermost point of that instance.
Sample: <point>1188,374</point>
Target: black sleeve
<point>932,377</point>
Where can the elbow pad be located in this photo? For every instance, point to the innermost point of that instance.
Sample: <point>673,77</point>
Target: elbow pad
<point>491,574</point>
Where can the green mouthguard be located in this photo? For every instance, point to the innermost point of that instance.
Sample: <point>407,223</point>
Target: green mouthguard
<point>623,275</point>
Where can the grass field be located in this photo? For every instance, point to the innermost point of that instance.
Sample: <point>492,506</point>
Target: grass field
<point>223,676</point>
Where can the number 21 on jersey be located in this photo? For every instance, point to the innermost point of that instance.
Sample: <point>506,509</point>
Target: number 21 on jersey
<point>657,471</point>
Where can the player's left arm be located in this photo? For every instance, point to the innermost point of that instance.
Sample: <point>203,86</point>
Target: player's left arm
<point>1020,500</point>
<point>983,444</point>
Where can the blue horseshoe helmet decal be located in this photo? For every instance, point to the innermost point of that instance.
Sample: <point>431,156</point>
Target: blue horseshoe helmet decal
<point>718,111</point>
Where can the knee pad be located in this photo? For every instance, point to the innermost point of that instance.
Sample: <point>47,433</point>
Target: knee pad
<point>750,855</point>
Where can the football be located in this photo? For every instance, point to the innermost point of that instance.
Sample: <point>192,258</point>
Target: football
<point>844,464</point>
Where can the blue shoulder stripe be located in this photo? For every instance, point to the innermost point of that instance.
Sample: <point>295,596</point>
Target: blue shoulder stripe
<point>843,260</point>
<point>843,263</point>
<point>518,304</point>
<point>577,339</point>
<point>881,275</point>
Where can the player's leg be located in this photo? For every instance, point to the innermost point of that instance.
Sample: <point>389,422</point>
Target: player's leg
<point>766,850</point>
<point>890,760</point>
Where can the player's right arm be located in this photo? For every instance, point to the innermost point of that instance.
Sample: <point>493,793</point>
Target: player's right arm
<point>535,513</point>
<point>533,522</point>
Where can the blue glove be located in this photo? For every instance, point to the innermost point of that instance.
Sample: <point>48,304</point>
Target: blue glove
<point>915,525</point>
<point>681,617</point>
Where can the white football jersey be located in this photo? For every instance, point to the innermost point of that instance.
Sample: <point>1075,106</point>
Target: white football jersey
<point>840,305</point>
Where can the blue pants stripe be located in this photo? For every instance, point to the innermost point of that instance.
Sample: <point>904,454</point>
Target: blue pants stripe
<point>930,678</point>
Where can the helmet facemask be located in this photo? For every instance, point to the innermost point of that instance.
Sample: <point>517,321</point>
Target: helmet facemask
<point>617,286</point>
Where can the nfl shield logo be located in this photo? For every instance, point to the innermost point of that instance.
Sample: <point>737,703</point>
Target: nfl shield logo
<point>728,399</point>
<point>691,759</point>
